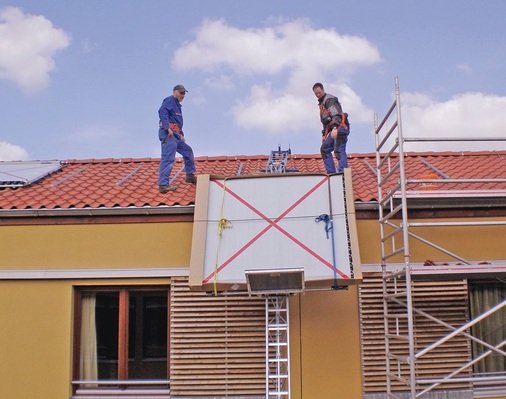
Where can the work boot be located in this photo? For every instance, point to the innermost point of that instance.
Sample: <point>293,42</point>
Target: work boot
<point>190,178</point>
<point>166,188</point>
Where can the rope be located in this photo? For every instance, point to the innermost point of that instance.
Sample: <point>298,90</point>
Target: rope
<point>222,224</point>
<point>329,226</point>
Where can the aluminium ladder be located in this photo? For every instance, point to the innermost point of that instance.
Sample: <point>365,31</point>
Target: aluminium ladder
<point>277,336</point>
<point>277,162</point>
<point>277,356</point>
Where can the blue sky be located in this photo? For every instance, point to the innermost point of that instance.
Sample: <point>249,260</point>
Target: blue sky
<point>85,78</point>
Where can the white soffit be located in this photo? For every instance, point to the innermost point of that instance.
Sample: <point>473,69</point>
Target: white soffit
<point>24,173</point>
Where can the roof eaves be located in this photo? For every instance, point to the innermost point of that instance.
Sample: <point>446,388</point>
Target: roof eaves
<point>114,211</point>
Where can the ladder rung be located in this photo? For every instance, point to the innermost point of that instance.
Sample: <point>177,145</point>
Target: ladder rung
<point>274,376</point>
<point>398,357</point>
<point>278,343</point>
<point>396,295</point>
<point>396,315</point>
<point>277,327</point>
<point>397,336</point>
<point>392,254</point>
<point>278,360</point>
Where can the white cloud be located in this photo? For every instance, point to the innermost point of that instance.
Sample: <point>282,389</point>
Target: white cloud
<point>94,133</point>
<point>292,52</point>
<point>272,49</point>
<point>295,111</point>
<point>420,100</point>
<point>220,82</point>
<point>263,110</point>
<point>464,67</point>
<point>12,152</point>
<point>27,48</point>
<point>464,116</point>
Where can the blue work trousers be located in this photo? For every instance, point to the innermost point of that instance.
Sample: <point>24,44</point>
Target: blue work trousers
<point>338,146</point>
<point>171,145</point>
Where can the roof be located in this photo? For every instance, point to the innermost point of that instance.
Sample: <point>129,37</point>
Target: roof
<point>110,183</point>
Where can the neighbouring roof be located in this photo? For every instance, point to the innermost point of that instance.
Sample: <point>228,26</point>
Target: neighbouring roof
<point>109,183</point>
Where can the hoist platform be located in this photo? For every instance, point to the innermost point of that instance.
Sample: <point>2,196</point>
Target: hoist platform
<point>274,221</point>
<point>277,162</point>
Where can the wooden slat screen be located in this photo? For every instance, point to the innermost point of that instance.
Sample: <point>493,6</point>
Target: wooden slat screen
<point>217,343</point>
<point>445,300</point>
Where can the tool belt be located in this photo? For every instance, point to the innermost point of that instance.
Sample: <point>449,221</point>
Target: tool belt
<point>174,127</point>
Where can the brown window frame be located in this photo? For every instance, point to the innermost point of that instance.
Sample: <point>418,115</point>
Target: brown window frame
<point>122,332</point>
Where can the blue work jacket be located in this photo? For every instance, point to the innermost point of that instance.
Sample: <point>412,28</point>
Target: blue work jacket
<point>170,112</point>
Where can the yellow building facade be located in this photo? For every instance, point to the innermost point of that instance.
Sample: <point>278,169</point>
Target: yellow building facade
<point>49,262</point>
<point>114,281</point>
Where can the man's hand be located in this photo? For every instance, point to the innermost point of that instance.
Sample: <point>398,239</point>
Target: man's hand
<point>333,133</point>
<point>170,132</point>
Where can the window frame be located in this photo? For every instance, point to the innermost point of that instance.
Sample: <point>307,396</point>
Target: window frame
<point>478,289</point>
<point>123,314</point>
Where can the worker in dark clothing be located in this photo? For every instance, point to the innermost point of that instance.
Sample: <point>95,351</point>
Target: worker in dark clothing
<point>172,138</point>
<point>335,131</point>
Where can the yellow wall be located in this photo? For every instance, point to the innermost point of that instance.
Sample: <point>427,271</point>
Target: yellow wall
<point>368,237</point>
<point>96,246</point>
<point>36,316</point>
<point>470,242</point>
<point>325,345</point>
<point>35,339</point>
<point>36,336</point>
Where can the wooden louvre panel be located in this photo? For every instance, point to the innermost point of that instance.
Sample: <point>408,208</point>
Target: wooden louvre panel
<point>445,300</point>
<point>217,343</point>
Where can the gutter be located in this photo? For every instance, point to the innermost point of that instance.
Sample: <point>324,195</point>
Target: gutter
<point>413,204</point>
<point>439,203</point>
<point>116,211</point>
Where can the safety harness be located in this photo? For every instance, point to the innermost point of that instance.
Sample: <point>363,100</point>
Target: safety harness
<point>341,125</point>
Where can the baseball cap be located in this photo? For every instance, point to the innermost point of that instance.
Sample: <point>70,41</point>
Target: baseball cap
<point>180,88</point>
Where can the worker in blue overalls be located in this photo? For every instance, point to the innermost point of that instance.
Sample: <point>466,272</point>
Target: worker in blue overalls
<point>172,138</point>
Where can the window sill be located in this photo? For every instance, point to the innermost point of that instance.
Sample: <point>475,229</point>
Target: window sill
<point>112,389</point>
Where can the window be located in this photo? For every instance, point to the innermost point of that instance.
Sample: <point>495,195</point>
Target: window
<point>121,337</point>
<point>484,295</point>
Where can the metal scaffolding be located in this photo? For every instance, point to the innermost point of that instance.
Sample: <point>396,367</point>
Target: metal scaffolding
<point>396,231</point>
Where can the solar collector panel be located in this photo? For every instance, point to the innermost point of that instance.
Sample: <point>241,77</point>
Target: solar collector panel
<point>24,173</point>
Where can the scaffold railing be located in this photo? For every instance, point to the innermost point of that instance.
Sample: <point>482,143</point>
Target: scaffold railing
<point>395,235</point>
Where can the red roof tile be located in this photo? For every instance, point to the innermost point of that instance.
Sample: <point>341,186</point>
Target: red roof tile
<point>96,183</point>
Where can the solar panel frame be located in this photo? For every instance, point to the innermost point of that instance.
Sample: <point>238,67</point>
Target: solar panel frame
<point>24,173</point>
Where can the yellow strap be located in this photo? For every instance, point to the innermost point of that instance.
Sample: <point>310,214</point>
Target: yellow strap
<point>222,224</point>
